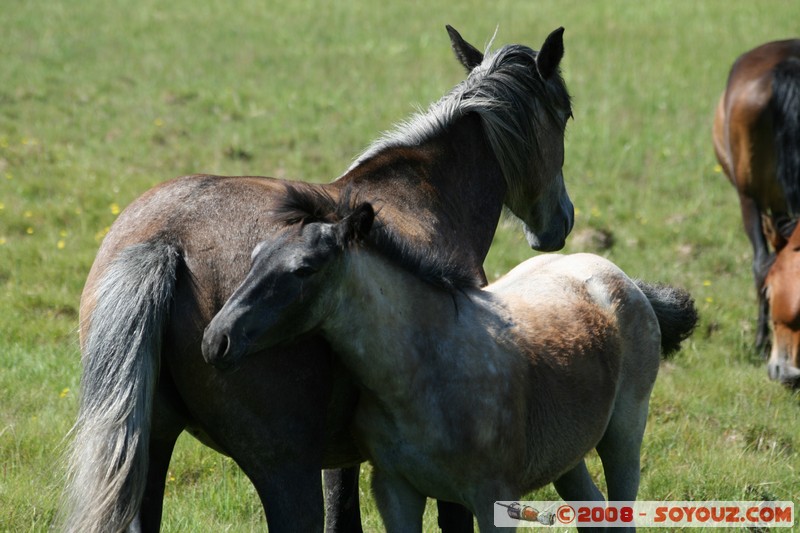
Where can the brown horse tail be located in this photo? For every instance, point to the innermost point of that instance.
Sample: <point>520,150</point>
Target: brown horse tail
<point>676,313</point>
<point>108,459</point>
<point>786,120</point>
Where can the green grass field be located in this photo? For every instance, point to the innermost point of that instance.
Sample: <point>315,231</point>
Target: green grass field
<point>101,100</point>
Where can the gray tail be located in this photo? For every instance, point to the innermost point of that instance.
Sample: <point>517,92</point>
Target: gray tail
<point>677,315</point>
<point>786,119</point>
<point>109,452</point>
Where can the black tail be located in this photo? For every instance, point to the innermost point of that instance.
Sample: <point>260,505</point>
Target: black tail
<point>786,119</point>
<point>677,315</point>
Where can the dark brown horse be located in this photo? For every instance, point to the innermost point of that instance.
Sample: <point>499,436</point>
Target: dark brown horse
<point>757,142</point>
<point>176,254</point>
<point>782,290</point>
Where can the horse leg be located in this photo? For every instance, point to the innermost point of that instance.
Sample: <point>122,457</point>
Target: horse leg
<point>482,501</point>
<point>762,260</point>
<point>152,503</point>
<point>291,496</point>
<point>400,505</point>
<point>167,423</point>
<point>342,510</point>
<point>620,448</point>
<point>454,517</point>
<point>576,485</point>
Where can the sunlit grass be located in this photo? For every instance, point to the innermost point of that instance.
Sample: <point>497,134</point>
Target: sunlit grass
<point>102,100</point>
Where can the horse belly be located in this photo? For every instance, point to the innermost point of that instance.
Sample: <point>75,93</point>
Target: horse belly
<point>420,450</point>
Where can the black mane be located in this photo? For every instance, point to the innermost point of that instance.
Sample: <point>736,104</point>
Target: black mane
<point>786,116</point>
<point>307,205</point>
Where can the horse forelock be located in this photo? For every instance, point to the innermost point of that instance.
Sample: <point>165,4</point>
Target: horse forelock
<point>508,94</point>
<point>304,205</point>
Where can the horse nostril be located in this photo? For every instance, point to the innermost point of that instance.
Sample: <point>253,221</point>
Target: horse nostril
<point>774,371</point>
<point>223,348</point>
<point>216,348</point>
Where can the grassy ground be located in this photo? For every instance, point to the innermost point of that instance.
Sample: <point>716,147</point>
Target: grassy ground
<point>101,100</point>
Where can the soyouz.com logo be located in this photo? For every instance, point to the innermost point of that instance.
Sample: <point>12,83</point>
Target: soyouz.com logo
<point>670,514</point>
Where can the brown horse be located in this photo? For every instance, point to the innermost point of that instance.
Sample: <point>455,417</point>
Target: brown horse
<point>176,254</point>
<point>782,291</point>
<point>470,395</point>
<point>757,141</point>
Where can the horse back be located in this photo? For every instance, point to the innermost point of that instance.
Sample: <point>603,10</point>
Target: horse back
<point>743,131</point>
<point>214,222</point>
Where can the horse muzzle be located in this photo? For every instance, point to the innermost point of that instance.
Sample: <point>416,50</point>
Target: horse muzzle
<point>218,349</point>
<point>784,373</point>
<point>555,235</point>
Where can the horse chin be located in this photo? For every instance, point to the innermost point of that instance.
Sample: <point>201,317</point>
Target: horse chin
<point>546,242</point>
<point>787,375</point>
<point>553,235</point>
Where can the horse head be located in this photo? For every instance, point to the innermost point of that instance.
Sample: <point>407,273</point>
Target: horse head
<point>278,299</point>
<point>525,125</point>
<point>783,294</point>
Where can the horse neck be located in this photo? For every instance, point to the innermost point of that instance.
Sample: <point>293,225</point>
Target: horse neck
<point>445,194</point>
<point>385,321</point>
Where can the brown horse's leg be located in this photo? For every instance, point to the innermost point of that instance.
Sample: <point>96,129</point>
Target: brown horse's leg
<point>762,259</point>
<point>342,510</point>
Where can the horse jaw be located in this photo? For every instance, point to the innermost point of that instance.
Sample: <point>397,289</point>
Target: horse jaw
<point>553,237</point>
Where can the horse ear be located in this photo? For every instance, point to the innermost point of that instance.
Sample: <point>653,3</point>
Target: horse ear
<point>468,55</point>
<point>772,233</point>
<point>356,225</point>
<point>549,57</point>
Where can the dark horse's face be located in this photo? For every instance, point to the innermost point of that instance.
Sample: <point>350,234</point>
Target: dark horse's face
<point>536,191</point>
<point>541,200</point>
<point>282,295</point>
<point>268,306</point>
<point>547,221</point>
